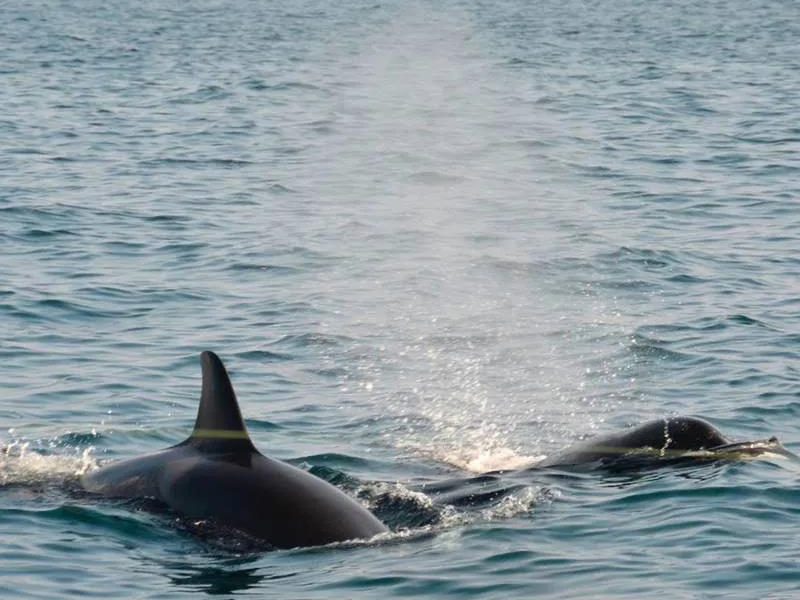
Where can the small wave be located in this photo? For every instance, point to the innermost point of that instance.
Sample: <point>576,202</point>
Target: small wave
<point>278,188</point>
<point>627,284</point>
<point>650,349</point>
<point>57,308</point>
<point>537,268</point>
<point>183,248</point>
<point>435,178</point>
<point>165,218</point>
<point>76,439</point>
<point>646,258</point>
<point>520,502</point>
<point>746,320</point>
<point>197,163</point>
<point>273,269</point>
<point>338,373</point>
<point>264,356</point>
<point>405,510</point>
<point>306,340</point>
<point>259,85</point>
<point>399,507</point>
<point>26,151</point>
<point>334,476</point>
<point>206,93</point>
<point>335,459</point>
<point>37,233</point>
<point>765,140</point>
<point>686,278</point>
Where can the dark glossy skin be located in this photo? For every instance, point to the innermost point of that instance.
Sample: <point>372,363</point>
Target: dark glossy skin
<point>218,474</point>
<point>662,438</point>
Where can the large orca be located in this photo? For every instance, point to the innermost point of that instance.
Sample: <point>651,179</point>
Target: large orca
<point>660,442</point>
<point>218,474</point>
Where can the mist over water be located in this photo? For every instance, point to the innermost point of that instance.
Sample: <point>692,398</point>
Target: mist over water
<point>465,211</point>
<point>429,241</point>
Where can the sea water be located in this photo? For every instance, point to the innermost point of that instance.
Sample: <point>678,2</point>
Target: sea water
<point>430,240</point>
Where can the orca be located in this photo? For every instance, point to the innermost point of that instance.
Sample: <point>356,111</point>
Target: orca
<point>660,442</point>
<point>217,474</point>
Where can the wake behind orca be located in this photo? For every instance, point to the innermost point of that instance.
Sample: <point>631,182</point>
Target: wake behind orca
<point>218,474</point>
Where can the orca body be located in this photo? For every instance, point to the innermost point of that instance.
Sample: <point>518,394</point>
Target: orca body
<point>218,474</point>
<point>655,443</point>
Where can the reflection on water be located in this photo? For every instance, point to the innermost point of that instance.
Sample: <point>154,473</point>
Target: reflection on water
<point>216,580</point>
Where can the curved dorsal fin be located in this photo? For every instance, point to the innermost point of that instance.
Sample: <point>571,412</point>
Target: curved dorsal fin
<point>218,417</point>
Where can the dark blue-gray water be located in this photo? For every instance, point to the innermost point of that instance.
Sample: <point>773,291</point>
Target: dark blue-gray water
<point>429,239</point>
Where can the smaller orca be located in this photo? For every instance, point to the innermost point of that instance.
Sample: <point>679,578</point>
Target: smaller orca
<point>668,442</point>
<point>218,474</point>
<point>660,442</point>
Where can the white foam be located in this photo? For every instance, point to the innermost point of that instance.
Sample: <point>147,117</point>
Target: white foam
<point>20,464</point>
<point>520,502</point>
<point>398,490</point>
<point>475,454</point>
<point>493,459</point>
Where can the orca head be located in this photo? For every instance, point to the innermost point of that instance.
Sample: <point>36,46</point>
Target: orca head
<point>691,433</point>
<point>219,426</point>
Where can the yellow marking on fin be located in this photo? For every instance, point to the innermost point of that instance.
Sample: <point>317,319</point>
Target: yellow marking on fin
<point>221,434</point>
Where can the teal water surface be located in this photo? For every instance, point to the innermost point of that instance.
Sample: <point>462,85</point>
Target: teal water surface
<point>430,240</point>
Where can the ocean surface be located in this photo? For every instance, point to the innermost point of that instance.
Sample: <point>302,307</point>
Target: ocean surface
<point>429,240</point>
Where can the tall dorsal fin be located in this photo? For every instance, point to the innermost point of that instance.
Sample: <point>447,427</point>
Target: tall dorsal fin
<point>218,417</point>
